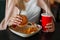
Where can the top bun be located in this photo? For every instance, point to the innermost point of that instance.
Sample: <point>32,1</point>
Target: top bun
<point>24,20</point>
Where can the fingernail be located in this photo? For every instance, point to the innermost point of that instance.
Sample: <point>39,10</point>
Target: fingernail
<point>20,20</point>
<point>15,21</point>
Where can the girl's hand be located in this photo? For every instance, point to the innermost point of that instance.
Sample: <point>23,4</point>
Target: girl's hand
<point>17,20</point>
<point>50,27</point>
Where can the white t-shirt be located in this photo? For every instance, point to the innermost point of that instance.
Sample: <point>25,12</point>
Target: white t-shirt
<point>32,11</point>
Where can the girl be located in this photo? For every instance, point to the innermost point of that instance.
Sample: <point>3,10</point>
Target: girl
<point>30,8</point>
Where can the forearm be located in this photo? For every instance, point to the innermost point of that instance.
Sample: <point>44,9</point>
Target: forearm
<point>44,6</point>
<point>2,24</point>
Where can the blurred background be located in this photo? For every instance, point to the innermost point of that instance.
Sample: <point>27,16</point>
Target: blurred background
<point>2,9</point>
<point>54,5</point>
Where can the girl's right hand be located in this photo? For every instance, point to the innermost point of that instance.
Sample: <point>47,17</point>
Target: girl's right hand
<point>17,20</point>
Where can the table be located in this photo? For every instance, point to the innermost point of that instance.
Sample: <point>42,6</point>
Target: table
<point>8,35</point>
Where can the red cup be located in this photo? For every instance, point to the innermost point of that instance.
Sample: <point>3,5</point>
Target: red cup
<point>46,18</point>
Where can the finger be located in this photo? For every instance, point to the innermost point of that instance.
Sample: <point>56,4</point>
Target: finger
<point>19,20</point>
<point>48,27</point>
<point>16,18</point>
<point>15,23</point>
<point>49,24</point>
<point>12,19</point>
<point>51,30</point>
<point>19,17</point>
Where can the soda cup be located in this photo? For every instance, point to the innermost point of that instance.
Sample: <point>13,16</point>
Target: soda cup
<point>46,18</point>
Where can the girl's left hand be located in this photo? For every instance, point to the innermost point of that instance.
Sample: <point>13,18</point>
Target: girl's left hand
<point>50,27</point>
